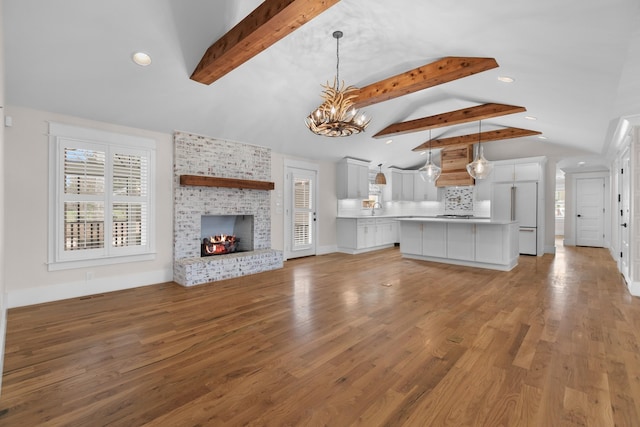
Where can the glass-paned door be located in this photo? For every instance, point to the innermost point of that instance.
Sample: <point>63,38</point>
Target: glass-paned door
<point>302,222</point>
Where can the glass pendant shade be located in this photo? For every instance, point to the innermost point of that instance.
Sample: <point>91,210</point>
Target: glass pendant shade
<point>430,171</point>
<point>480,168</point>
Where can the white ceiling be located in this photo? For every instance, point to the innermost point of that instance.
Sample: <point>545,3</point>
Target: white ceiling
<point>573,61</point>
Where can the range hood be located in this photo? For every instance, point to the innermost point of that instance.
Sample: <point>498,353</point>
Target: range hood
<point>454,167</point>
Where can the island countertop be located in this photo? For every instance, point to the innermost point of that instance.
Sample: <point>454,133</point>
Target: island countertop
<point>472,220</point>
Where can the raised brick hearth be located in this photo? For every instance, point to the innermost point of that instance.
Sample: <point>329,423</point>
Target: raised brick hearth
<point>199,155</point>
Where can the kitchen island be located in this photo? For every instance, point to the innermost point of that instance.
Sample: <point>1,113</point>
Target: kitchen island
<point>474,242</point>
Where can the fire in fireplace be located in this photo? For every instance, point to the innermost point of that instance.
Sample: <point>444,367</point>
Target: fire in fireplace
<point>218,245</point>
<point>223,234</point>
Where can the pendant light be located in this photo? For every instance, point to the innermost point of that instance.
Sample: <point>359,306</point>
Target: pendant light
<point>430,172</point>
<point>480,168</point>
<point>380,178</point>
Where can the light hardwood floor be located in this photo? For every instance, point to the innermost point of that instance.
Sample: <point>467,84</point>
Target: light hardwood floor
<point>339,340</point>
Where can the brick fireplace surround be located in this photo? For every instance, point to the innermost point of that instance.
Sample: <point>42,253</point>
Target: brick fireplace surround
<point>199,155</point>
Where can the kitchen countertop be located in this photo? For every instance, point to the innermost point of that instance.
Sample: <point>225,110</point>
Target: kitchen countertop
<point>472,220</point>
<point>478,220</point>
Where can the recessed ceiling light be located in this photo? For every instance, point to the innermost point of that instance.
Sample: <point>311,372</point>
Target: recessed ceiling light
<point>530,118</point>
<point>141,58</point>
<point>422,153</point>
<point>542,137</point>
<point>506,79</point>
<point>389,141</point>
<point>582,163</point>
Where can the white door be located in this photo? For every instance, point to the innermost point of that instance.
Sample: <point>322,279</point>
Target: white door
<point>623,214</point>
<point>590,212</point>
<point>300,215</point>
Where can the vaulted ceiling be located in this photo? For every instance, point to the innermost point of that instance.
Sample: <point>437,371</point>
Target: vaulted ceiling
<point>574,65</point>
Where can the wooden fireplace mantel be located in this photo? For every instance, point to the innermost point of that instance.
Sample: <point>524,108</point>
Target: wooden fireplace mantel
<point>214,181</point>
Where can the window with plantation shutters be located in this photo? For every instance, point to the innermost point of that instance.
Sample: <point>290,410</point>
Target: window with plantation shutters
<point>100,197</point>
<point>303,212</point>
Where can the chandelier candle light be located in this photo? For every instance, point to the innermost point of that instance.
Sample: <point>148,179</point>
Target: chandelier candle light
<point>337,116</point>
<point>430,171</point>
<point>480,168</point>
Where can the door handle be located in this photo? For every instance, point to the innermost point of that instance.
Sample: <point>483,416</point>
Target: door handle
<point>624,224</point>
<point>579,215</point>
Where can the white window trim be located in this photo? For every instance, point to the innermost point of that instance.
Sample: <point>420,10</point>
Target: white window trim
<point>59,132</point>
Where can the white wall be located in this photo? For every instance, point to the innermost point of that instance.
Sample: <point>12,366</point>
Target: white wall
<point>27,279</point>
<point>3,298</point>
<point>549,207</point>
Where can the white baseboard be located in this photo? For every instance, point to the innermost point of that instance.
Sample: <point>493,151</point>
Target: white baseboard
<point>41,294</point>
<point>323,250</point>
<point>634,288</point>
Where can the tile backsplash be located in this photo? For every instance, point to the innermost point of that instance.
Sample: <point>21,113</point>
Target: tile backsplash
<point>458,200</point>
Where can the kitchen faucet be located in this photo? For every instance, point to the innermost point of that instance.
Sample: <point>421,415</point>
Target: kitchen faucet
<point>373,208</point>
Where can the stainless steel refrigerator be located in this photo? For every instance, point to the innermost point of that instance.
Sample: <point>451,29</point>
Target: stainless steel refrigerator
<point>518,201</point>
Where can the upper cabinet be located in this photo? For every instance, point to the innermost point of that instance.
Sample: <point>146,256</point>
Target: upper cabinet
<point>423,190</point>
<point>514,171</point>
<point>352,179</point>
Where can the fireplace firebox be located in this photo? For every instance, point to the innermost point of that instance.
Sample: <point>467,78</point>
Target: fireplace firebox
<point>223,234</point>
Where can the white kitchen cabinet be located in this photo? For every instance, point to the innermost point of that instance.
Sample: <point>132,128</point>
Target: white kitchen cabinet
<point>352,179</point>
<point>407,185</point>
<point>460,241</point>
<point>423,190</point>
<point>526,172</point>
<point>386,231</point>
<point>366,233</point>
<point>489,242</point>
<point>396,184</point>
<point>402,184</point>
<point>434,239</point>
<point>411,237</point>
<point>357,235</point>
<point>510,172</point>
<point>503,172</point>
<point>477,243</point>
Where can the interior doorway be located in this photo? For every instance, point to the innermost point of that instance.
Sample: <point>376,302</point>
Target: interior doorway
<point>590,212</point>
<point>623,216</point>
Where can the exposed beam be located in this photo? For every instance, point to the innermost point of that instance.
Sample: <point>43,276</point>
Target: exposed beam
<point>465,115</point>
<point>268,23</point>
<point>461,141</point>
<point>438,72</point>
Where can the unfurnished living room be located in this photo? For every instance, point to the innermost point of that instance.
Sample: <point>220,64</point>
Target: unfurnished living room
<point>319,213</point>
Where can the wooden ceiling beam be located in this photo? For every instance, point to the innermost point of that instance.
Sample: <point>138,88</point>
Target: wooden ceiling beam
<point>463,140</point>
<point>438,72</point>
<point>465,115</point>
<point>268,23</point>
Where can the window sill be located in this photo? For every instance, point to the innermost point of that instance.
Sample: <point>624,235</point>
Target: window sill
<point>67,265</point>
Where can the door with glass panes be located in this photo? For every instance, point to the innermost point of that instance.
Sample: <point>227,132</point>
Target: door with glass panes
<point>301,236</point>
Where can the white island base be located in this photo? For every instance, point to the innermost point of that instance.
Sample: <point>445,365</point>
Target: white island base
<point>479,243</point>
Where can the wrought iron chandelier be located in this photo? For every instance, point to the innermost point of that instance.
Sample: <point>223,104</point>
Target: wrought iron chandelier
<point>430,171</point>
<point>480,168</point>
<point>337,116</point>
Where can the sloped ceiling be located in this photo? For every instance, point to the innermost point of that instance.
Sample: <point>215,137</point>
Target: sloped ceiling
<point>572,62</point>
